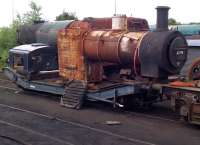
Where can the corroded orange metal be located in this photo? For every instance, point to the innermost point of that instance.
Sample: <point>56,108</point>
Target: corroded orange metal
<point>84,50</point>
<point>113,46</point>
<point>72,62</point>
<point>134,24</point>
<point>71,59</point>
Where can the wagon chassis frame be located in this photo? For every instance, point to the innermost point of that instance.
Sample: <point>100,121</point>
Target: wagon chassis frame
<point>110,94</point>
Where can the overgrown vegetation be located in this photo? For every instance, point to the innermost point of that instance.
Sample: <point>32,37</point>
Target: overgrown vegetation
<point>31,16</point>
<point>7,41</point>
<point>173,21</point>
<point>66,16</point>
<point>8,34</point>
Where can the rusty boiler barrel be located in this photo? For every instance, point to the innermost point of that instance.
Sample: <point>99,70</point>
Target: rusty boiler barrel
<point>150,54</point>
<point>112,46</point>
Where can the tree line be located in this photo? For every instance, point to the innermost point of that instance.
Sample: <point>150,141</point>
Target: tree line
<point>8,34</point>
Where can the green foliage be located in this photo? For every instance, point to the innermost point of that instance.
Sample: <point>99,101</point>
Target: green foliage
<point>66,16</point>
<point>8,34</point>
<point>7,37</point>
<point>30,16</point>
<point>3,58</point>
<point>33,15</point>
<point>18,21</point>
<point>173,21</point>
<point>7,41</point>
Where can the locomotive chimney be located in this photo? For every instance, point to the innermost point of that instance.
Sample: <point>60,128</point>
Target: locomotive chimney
<point>162,18</point>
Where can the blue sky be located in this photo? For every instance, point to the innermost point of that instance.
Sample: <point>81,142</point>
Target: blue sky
<point>183,11</point>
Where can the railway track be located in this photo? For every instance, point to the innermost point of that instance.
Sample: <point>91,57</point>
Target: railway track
<point>153,117</point>
<point>99,129</point>
<point>8,85</point>
<point>4,80</point>
<point>16,89</point>
<point>18,127</point>
<point>77,125</point>
<point>9,88</point>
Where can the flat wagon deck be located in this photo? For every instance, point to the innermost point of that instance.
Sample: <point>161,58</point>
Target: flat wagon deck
<point>107,92</point>
<point>184,99</point>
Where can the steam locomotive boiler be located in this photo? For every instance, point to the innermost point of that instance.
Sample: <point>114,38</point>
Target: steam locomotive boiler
<point>31,59</point>
<point>115,60</point>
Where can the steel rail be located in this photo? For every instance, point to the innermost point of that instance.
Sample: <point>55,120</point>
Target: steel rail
<point>134,140</point>
<point>4,80</point>
<point>129,112</point>
<point>35,132</point>
<point>14,140</point>
<point>9,88</point>
<point>152,117</point>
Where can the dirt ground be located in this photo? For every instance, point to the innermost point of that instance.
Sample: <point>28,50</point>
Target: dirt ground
<point>60,126</point>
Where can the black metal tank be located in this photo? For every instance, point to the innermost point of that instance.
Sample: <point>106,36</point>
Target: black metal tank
<point>162,52</point>
<point>38,47</point>
<point>41,32</point>
<point>26,34</point>
<point>47,33</point>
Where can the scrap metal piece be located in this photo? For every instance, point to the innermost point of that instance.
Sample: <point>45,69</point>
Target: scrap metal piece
<point>112,122</point>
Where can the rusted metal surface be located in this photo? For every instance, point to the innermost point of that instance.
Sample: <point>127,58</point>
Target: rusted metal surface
<point>142,52</point>
<point>113,46</point>
<point>95,72</point>
<point>71,60</point>
<point>99,23</point>
<point>134,24</point>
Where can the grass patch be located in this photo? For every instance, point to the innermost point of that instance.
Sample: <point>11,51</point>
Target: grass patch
<point>3,58</point>
<point>7,41</point>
